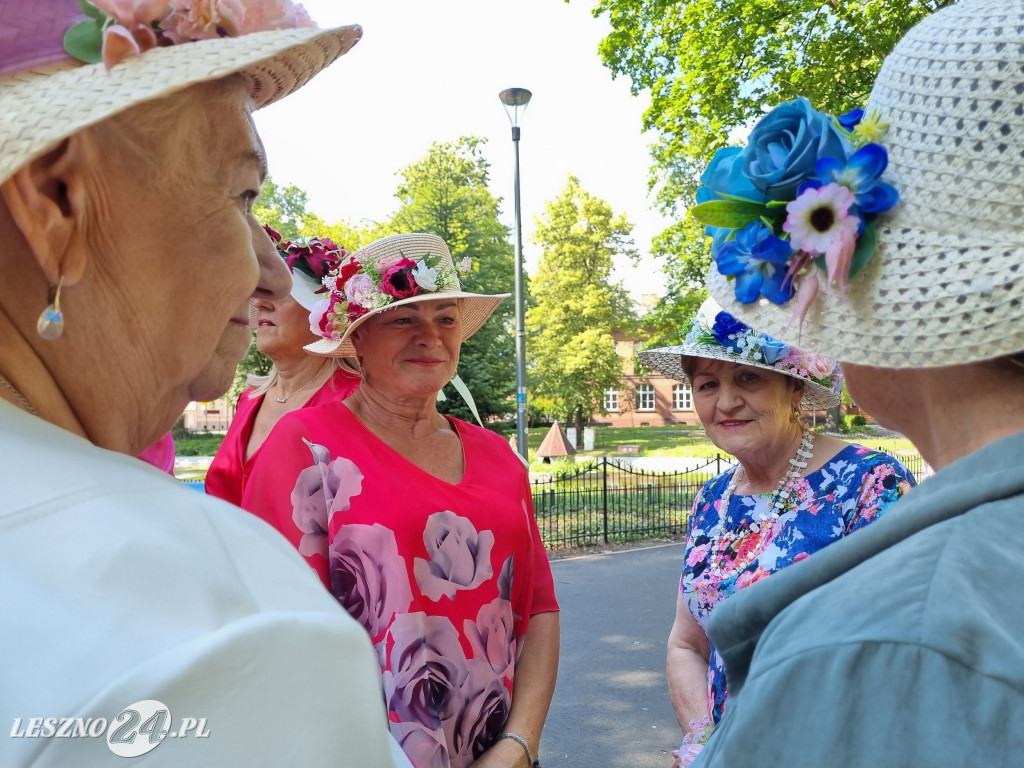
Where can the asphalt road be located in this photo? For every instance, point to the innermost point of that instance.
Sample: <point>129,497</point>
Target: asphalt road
<point>611,707</point>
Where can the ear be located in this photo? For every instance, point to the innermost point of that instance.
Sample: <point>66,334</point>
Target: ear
<point>47,202</point>
<point>798,392</point>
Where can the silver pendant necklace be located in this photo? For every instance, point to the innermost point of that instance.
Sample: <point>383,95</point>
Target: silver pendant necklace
<point>293,394</point>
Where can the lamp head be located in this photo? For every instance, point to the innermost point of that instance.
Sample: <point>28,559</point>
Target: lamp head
<point>515,101</point>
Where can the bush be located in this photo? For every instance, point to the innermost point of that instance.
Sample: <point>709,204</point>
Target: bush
<point>859,421</point>
<point>178,431</point>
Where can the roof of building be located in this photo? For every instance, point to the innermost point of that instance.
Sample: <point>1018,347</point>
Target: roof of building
<point>555,443</point>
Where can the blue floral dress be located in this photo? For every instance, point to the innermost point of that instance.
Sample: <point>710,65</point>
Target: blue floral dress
<point>847,493</point>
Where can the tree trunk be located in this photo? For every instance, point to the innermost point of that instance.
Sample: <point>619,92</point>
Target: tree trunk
<point>579,425</point>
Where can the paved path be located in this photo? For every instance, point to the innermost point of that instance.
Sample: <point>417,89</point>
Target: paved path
<point>611,707</point>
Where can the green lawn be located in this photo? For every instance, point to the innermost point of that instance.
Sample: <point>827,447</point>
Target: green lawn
<point>651,441</point>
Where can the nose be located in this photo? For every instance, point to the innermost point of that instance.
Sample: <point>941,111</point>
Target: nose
<point>275,280</point>
<point>729,397</point>
<point>428,336</point>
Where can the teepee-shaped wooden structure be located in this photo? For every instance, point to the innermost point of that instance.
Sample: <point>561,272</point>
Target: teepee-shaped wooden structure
<point>555,444</point>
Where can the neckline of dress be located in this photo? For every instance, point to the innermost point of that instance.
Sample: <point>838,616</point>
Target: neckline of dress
<point>455,428</point>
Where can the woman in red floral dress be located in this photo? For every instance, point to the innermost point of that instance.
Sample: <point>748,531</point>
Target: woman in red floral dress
<point>423,524</point>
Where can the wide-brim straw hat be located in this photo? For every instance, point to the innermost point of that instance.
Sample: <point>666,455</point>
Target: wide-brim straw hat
<point>45,95</point>
<point>669,361</point>
<point>946,285</point>
<point>475,307</point>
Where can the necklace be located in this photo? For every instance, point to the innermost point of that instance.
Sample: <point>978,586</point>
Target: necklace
<point>293,394</point>
<point>776,504</point>
<point>21,398</point>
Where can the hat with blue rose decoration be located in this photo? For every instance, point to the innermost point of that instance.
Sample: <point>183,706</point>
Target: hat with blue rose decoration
<point>716,335</point>
<point>890,236</point>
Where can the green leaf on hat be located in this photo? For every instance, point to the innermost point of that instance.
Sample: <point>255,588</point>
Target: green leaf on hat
<point>731,214</point>
<point>866,245</point>
<point>84,41</point>
<point>92,11</point>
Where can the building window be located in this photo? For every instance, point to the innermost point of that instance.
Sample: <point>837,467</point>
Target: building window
<point>682,399</point>
<point>645,397</point>
<point>611,400</point>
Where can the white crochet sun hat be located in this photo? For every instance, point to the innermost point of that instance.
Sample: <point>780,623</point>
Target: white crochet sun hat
<point>946,284</point>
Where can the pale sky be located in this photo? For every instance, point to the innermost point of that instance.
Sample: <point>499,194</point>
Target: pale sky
<point>431,71</point>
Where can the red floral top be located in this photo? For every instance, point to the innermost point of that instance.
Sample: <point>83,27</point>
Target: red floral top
<point>230,470</point>
<point>443,576</point>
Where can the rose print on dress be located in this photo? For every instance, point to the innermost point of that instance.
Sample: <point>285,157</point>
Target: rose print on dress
<point>319,492</point>
<point>424,747</point>
<point>368,576</point>
<point>460,558</point>
<point>492,636</point>
<point>426,669</point>
<point>481,717</point>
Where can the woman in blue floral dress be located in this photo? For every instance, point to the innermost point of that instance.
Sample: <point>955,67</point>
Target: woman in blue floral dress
<point>792,492</point>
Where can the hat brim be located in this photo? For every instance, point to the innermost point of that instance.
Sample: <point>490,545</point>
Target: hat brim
<point>668,361</point>
<point>476,309</point>
<point>42,106</point>
<point>925,300</point>
<point>304,290</point>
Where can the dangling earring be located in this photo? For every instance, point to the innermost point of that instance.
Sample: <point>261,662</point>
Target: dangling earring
<point>50,324</point>
<point>794,417</point>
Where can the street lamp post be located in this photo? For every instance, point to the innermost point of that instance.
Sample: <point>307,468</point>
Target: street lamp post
<point>515,101</point>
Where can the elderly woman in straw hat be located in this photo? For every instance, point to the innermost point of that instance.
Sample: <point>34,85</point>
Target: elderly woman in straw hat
<point>792,493</point>
<point>297,379</point>
<point>903,645</point>
<point>420,525</point>
<point>132,606</point>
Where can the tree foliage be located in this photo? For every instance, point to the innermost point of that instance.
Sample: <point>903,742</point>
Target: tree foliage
<point>577,306</point>
<point>712,66</point>
<point>445,193</point>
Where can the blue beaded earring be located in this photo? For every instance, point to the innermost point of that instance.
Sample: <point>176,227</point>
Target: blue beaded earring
<point>50,324</point>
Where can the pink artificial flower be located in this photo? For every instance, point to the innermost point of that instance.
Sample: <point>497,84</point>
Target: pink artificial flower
<point>130,12</point>
<point>398,280</point>
<point>798,557</point>
<point>819,216</point>
<point>318,322</point>
<point>262,15</point>
<point>384,263</point>
<point>360,290</point>
<point>204,19</point>
<point>839,257</point>
<point>818,366</point>
<point>133,33</point>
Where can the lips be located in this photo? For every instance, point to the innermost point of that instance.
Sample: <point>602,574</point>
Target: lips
<point>265,324</point>
<point>728,423</point>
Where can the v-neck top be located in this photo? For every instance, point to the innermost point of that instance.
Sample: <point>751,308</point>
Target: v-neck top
<point>230,469</point>
<point>443,576</point>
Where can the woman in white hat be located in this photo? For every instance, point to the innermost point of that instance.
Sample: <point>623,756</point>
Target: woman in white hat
<point>129,256</point>
<point>420,525</point>
<point>792,493</point>
<point>297,379</point>
<point>903,645</point>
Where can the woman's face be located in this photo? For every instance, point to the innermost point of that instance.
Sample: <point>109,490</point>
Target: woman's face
<point>745,410</point>
<point>411,351</point>
<point>282,328</point>
<point>184,250</point>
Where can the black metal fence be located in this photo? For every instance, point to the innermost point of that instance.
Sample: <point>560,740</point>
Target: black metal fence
<point>607,500</point>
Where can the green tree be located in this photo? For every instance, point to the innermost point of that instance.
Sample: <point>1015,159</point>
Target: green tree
<point>711,66</point>
<point>577,306</point>
<point>282,208</point>
<point>445,193</point>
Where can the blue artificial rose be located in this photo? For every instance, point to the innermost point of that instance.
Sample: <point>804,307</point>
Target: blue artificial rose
<point>785,146</point>
<point>726,325</point>
<point>725,174</point>
<point>773,349</point>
